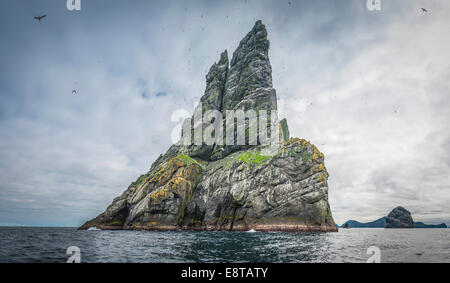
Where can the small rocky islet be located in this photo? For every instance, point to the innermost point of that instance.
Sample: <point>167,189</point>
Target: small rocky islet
<point>399,217</point>
<point>231,187</point>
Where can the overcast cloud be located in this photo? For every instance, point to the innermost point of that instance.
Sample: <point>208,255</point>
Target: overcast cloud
<point>370,88</point>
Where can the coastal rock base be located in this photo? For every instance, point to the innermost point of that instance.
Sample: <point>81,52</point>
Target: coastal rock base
<point>264,189</point>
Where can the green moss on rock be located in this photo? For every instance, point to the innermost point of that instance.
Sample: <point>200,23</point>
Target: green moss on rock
<point>252,157</point>
<point>284,130</point>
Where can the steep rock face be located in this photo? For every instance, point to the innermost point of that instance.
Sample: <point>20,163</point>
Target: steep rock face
<point>263,189</point>
<point>158,197</point>
<point>211,100</point>
<point>215,84</point>
<point>278,187</point>
<point>250,70</point>
<point>399,217</point>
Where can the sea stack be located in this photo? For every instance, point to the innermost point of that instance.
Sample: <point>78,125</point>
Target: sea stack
<point>399,217</point>
<point>231,187</point>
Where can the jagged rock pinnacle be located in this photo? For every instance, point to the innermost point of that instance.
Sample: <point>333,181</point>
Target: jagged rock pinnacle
<point>215,84</point>
<point>245,83</point>
<point>250,68</point>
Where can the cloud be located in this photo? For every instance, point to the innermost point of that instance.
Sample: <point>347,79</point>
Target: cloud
<point>369,88</point>
<point>385,134</point>
<point>161,93</point>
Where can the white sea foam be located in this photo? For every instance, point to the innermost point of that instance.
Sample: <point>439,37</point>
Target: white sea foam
<point>94,229</point>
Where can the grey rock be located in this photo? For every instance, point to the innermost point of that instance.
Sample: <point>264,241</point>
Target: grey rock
<point>250,67</point>
<point>215,84</point>
<point>399,217</point>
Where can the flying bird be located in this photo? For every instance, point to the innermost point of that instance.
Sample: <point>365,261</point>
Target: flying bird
<point>39,18</point>
<point>424,10</point>
<point>74,92</point>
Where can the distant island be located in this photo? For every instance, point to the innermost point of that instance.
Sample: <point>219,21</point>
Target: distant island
<point>423,225</point>
<point>398,218</point>
<point>379,223</point>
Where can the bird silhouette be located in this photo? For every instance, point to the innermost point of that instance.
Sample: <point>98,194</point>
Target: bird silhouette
<point>39,18</point>
<point>74,92</point>
<point>424,10</point>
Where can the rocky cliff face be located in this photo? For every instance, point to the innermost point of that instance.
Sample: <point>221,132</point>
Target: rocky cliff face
<point>231,187</point>
<point>399,217</point>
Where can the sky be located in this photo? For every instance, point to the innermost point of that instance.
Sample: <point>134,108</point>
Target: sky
<point>371,89</point>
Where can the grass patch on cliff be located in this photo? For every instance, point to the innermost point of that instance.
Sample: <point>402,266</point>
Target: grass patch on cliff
<point>140,179</point>
<point>253,158</point>
<point>189,160</point>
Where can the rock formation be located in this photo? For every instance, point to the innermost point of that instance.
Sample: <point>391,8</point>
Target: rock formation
<point>429,226</point>
<point>231,187</point>
<point>399,217</point>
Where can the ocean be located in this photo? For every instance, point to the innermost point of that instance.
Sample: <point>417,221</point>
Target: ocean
<point>347,245</point>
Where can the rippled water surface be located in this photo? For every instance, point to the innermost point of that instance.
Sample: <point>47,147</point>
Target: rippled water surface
<point>347,245</point>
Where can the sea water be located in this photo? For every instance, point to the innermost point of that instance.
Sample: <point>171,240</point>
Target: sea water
<point>347,245</point>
